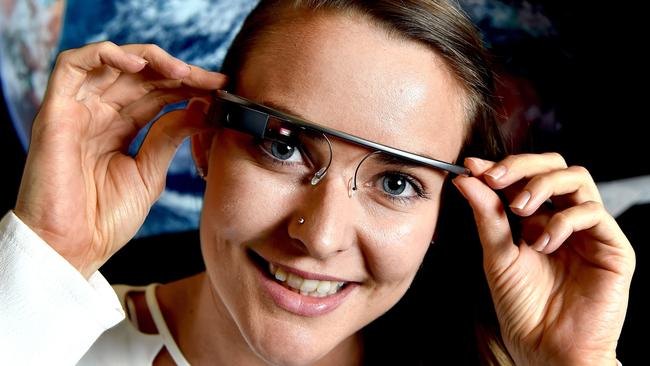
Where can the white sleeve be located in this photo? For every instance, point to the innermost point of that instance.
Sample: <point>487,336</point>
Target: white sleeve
<point>49,313</point>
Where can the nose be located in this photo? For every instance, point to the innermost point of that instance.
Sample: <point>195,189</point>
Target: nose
<point>324,222</point>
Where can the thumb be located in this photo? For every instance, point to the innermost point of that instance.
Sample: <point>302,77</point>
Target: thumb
<point>164,138</point>
<point>499,251</point>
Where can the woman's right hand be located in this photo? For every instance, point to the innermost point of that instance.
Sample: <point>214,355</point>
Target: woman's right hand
<point>80,191</point>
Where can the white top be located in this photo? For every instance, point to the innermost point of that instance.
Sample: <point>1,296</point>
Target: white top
<point>51,315</point>
<point>126,345</point>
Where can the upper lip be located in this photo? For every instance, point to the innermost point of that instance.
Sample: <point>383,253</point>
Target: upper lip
<point>311,276</point>
<point>307,275</point>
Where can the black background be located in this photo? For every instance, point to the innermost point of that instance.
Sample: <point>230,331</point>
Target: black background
<point>600,87</point>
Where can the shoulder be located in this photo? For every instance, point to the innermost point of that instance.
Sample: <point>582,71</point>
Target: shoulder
<point>126,343</point>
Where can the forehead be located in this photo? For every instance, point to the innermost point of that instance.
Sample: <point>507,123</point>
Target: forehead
<point>343,72</point>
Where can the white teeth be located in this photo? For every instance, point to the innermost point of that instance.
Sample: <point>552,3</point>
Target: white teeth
<point>324,287</point>
<point>309,285</point>
<point>294,281</point>
<point>305,287</point>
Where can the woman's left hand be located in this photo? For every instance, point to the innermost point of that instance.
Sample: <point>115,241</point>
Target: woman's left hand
<point>561,294</point>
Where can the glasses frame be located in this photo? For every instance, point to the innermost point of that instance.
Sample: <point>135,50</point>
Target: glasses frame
<point>255,119</point>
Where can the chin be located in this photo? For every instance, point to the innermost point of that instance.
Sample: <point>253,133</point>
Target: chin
<point>289,346</point>
<point>274,335</point>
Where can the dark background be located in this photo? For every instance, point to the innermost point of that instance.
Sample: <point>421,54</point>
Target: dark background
<point>594,75</point>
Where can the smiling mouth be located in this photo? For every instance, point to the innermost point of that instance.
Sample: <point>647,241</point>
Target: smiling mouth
<point>296,283</point>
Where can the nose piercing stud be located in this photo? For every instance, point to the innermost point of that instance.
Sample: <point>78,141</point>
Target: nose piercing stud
<point>301,221</point>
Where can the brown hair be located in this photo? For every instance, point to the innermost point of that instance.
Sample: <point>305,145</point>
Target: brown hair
<point>443,27</point>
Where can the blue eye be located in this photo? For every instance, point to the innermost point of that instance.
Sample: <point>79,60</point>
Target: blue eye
<point>399,185</point>
<point>282,151</point>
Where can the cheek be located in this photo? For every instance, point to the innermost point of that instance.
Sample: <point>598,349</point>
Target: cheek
<point>241,200</point>
<point>394,261</point>
<point>396,253</point>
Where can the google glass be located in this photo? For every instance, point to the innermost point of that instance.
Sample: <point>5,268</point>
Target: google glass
<point>243,115</point>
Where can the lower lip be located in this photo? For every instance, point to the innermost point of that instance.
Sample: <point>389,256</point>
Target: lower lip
<point>303,305</point>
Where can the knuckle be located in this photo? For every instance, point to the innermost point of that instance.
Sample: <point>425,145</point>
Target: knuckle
<point>64,56</point>
<point>509,160</point>
<point>594,206</point>
<point>148,86</point>
<point>556,157</point>
<point>633,261</point>
<point>107,45</point>
<point>151,48</point>
<point>537,182</point>
<point>518,160</point>
<point>580,170</point>
<point>562,220</point>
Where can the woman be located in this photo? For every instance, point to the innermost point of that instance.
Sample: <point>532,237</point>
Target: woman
<point>309,235</point>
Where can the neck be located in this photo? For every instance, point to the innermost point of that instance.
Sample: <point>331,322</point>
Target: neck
<point>207,334</point>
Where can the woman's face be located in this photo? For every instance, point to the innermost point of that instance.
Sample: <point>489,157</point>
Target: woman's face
<point>346,74</point>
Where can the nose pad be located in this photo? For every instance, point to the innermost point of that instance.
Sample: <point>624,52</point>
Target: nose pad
<point>320,174</point>
<point>327,215</point>
<point>352,188</point>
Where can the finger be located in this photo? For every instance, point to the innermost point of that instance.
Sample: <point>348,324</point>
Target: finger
<point>574,184</point>
<point>73,66</point>
<point>477,166</point>
<point>172,68</point>
<point>588,216</point>
<point>128,88</point>
<point>144,110</point>
<point>160,61</point>
<point>517,167</point>
<point>98,80</point>
<point>162,141</point>
<point>494,230</point>
<point>202,79</point>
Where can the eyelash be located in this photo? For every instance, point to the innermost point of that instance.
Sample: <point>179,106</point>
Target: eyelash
<point>258,143</point>
<point>420,190</point>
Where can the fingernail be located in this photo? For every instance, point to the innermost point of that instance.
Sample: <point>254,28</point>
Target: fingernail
<point>496,172</point>
<point>521,200</point>
<point>479,163</point>
<point>542,242</point>
<point>136,58</point>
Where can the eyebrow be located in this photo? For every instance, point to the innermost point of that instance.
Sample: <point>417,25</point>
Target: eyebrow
<point>396,160</point>
<point>384,156</point>
<point>283,109</point>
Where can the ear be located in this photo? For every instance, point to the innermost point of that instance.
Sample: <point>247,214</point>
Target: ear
<point>201,144</point>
